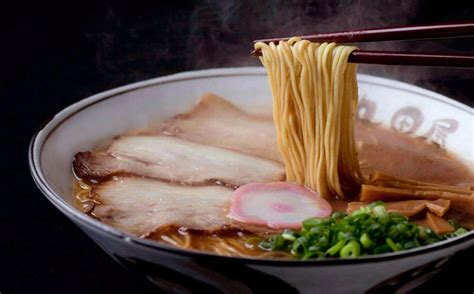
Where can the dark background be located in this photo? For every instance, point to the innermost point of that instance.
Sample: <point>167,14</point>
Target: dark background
<point>56,54</point>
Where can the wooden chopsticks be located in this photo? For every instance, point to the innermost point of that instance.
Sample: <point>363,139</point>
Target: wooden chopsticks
<point>419,59</point>
<point>436,31</point>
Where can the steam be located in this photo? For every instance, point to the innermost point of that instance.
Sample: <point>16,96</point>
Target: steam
<point>219,33</point>
<point>222,32</point>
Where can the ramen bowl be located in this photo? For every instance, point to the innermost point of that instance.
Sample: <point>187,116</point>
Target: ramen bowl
<point>403,107</point>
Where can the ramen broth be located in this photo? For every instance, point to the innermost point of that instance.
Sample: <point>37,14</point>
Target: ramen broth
<point>379,149</point>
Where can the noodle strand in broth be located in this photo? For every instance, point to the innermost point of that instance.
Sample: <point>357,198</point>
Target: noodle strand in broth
<point>315,96</point>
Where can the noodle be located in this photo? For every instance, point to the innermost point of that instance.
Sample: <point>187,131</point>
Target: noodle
<point>315,95</point>
<point>187,241</point>
<point>169,239</point>
<point>83,197</point>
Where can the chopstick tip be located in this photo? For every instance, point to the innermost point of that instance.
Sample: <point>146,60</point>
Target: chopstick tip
<point>256,52</point>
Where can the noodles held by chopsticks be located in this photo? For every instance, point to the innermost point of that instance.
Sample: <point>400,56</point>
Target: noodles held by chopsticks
<point>315,97</point>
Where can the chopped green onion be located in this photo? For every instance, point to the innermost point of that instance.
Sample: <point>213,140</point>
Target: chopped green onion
<point>351,250</point>
<point>410,244</point>
<point>458,232</point>
<point>376,203</point>
<point>344,236</point>
<point>366,241</point>
<point>369,230</point>
<point>311,222</point>
<point>382,249</point>
<point>380,211</point>
<point>392,244</point>
<point>288,236</point>
<point>335,249</point>
<point>338,214</point>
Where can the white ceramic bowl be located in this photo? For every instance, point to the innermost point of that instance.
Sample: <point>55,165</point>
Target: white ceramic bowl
<point>79,127</point>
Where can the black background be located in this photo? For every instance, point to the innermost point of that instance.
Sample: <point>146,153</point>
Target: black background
<point>56,54</point>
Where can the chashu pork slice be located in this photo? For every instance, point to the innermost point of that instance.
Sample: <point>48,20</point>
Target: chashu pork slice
<point>215,121</point>
<point>140,206</point>
<point>177,160</point>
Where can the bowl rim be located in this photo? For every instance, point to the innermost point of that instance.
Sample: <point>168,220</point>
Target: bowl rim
<point>43,132</point>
